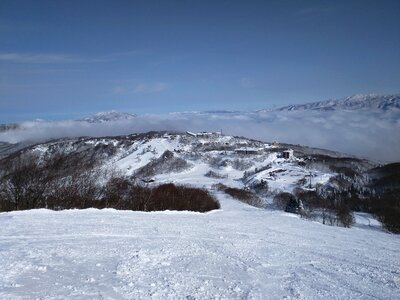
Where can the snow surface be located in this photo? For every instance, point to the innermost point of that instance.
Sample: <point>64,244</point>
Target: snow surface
<point>238,252</point>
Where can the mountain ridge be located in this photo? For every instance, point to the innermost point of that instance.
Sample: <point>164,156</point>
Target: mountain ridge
<point>354,102</point>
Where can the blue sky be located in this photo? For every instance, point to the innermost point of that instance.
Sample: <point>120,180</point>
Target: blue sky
<point>67,59</point>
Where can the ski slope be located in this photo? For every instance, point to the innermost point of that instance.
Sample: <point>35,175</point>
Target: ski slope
<point>238,252</point>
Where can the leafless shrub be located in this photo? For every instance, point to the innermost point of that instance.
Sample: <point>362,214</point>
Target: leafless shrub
<point>260,187</point>
<point>172,197</point>
<point>122,194</point>
<point>216,175</point>
<point>22,182</point>
<point>242,195</point>
<point>79,190</point>
<point>217,161</point>
<point>282,199</point>
<point>166,163</point>
<point>333,207</point>
<point>241,164</point>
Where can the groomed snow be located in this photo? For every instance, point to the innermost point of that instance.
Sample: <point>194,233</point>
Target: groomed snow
<point>238,252</point>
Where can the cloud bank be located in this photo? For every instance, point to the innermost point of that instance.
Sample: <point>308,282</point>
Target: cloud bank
<point>366,134</point>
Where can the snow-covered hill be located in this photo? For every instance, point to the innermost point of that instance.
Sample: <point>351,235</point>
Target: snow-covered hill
<point>238,252</point>
<point>355,102</point>
<point>188,158</point>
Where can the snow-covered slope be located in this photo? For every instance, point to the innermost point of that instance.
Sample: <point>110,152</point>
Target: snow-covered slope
<point>186,158</point>
<point>355,102</point>
<point>238,252</point>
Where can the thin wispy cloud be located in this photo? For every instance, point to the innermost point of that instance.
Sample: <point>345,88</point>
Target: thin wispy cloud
<point>246,82</point>
<point>150,88</point>
<point>128,53</point>
<point>47,58</point>
<point>119,90</point>
<point>313,10</point>
<point>62,58</point>
<point>130,87</point>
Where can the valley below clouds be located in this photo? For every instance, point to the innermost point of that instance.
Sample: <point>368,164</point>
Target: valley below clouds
<point>373,134</point>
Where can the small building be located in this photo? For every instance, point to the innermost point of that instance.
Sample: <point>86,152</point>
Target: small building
<point>287,154</point>
<point>205,134</point>
<point>191,133</point>
<point>247,151</point>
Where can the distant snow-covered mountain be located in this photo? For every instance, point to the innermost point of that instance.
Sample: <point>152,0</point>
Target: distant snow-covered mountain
<point>355,102</point>
<point>109,116</point>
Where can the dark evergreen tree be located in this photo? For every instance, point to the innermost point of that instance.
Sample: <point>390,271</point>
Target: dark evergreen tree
<point>293,205</point>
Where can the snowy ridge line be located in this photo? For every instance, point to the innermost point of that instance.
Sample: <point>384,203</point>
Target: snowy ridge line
<point>355,102</point>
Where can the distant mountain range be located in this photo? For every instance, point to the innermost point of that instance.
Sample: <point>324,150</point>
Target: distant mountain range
<point>355,102</point>
<point>363,125</point>
<point>109,116</point>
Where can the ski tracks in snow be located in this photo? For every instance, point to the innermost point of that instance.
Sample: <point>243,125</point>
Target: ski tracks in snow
<point>238,252</point>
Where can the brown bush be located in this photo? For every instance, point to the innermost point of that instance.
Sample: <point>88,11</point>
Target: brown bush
<point>243,195</point>
<point>172,197</point>
<point>281,200</point>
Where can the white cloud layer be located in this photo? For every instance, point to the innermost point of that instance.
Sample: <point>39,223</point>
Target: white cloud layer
<point>365,134</point>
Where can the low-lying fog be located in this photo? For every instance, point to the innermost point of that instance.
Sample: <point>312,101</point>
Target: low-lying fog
<point>371,134</point>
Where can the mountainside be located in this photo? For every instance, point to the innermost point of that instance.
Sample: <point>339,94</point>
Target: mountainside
<point>356,102</point>
<point>206,159</point>
<point>9,148</point>
<point>190,157</point>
